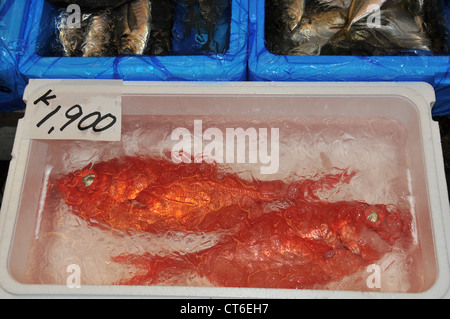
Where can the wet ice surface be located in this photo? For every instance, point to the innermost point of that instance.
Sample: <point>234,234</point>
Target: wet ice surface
<point>308,147</point>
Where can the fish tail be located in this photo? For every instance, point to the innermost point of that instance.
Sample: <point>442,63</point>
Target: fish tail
<point>306,190</point>
<point>154,270</point>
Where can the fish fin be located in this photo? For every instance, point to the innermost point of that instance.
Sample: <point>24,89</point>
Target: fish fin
<point>337,27</point>
<point>228,219</point>
<point>153,269</point>
<point>292,25</point>
<point>148,196</point>
<point>341,39</point>
<point>306,189</point>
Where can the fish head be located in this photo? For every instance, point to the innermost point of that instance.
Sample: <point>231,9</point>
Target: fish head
<point>102,186</point>
<point>368,231</point>
<point>388,221</point>
<point>316,29</point>
<point>307,28</point>
<point>371,231</point>
<point>82,184</point>
<point>86,190</point>
<point>304,35</point>
<point>293,12</point>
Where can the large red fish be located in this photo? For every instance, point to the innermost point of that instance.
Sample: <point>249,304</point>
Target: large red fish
<point>153,194</point>
<point>302,247</point>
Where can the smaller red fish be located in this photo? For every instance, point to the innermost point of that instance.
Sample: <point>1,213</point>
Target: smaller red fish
<point>303,247</point>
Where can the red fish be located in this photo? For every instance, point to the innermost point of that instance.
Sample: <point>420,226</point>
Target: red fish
<point>307,244</point>
<point>154,194</point>
<point>303,247</point>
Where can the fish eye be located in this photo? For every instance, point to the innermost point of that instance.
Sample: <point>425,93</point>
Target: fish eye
<point>306,20</point>
<point>88,180</point>
<point>373,217</point>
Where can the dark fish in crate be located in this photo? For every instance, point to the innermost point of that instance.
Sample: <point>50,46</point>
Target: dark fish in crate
<point>160,42</point>
<point>99,36</point>
<point>71,37</point>
<point>133,26</point>
<point>316,30</point>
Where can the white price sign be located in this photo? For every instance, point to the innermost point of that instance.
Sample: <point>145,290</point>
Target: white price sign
<point>74,110</point>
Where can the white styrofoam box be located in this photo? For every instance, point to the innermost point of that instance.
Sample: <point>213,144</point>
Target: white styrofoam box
<point>407,104</point>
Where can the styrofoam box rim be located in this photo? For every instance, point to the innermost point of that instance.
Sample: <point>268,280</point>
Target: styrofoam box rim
<point>421,94</point>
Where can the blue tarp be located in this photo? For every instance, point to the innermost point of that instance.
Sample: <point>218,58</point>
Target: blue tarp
<point>12,84</point>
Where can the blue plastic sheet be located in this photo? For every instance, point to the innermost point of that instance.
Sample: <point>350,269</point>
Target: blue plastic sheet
<point>41,60</point>
<point>265,66</point>
<point>12,83</point>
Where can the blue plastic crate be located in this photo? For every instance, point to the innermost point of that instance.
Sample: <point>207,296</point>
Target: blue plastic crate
<point>230,66</point>
<point>12,18</point>
<point>265,66</point>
